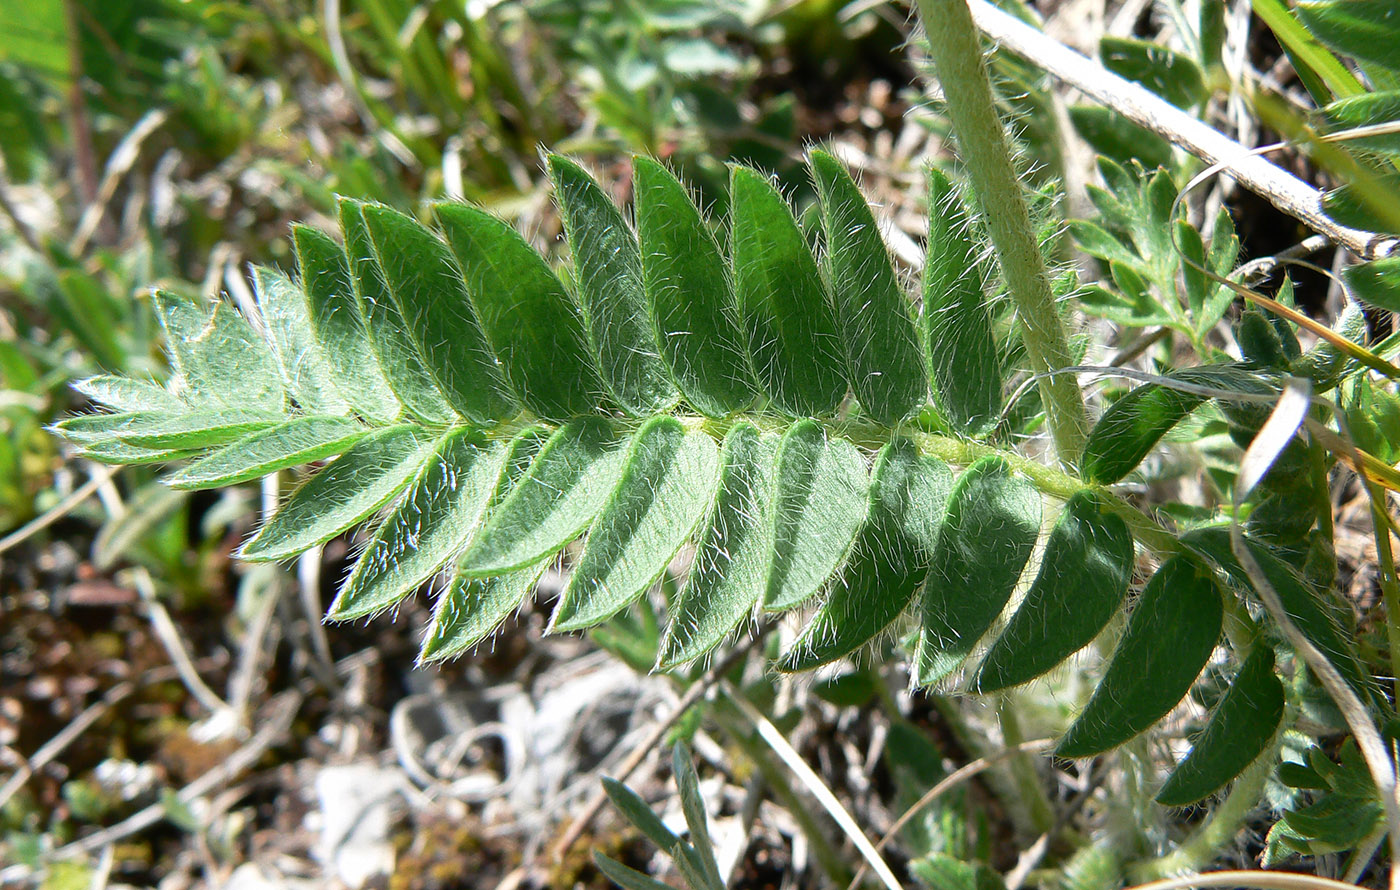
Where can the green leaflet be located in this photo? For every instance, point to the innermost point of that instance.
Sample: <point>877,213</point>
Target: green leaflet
<point>820,500</point>
<point>528,317</point>
<point>1300,602</point>
<point>1171,632</point>
<point>295,442</point>
<point>430,523</point>
<point>688,289</point>
<point>128,394</point>
<point>116,452</point>
<point>352,487</point>
<point>389,333</point>
<point>1240,728</point>
<point>1133,425</point>
<point>872,312</point>
<point>560,494</point>
<point>1362,29</point>
<point>957,325</point>
<point>732,559</point>
<point>339,327</point>
<point>1173,76</point>
<point>939,871</point>
<point>1084,573</point>
<point>667,484</point>
<point>990,530</point>
<point>471,608</point>
<point>891,556</point>
<point>1376,283</point>
<point>304,370</point>
<point>198,429</point>
<point>218,359</point>
<point>783,305</point>
<point>608,266</point>
<point>427,289</point>
<point>1366,110</point>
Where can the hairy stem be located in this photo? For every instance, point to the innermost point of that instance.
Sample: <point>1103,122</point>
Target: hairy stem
<point>957,60</point>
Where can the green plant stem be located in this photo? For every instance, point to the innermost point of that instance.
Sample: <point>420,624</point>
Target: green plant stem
<point>1390,587</point>
<point>1200,849</point>
<point>957,60</point>
<point>1022,767</point>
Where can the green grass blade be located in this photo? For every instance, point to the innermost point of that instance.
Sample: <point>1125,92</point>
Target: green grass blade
<point>608,266</point>
<point>428,291</point>
<point>430,523</point>
<point>389,335</point>
<point>1240,728</point>
<point>820,499</point>
<point>1317,67</point>
<point>344,493</point>
<point>1171,633</point>
<point>339,326</point>
<point>688,287</point>
<point>533,325</point>
<point>291,444</point>
<point>782,302</point>
<point>1083,577</point>
<point>565,487</point>
<point>908,494</point>
<point>872,311</point>
<point>734,555</point>
<point>956,324</point>
<point>986,538</point>
<point>667,485</point>
<point>305,374</point>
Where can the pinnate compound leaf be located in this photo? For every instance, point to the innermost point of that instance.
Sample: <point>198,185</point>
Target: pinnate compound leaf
<point>1362,29</point>
<point>872,312</point>
<point>1084,574</point>
<point>820,500</point>
<point>1239,729</point>
<point>667,485</point>
<point>688,289</point>
<point>219,360</point>
<point>290,444</point>
<point>426,528</point>
<point>565,487</point>
<point>1300,601</point>
<point>734,554</point>
<point>608,265</point>
<point>956,324</point>
<point>344,493</point>
<point>428,291</point>
<point>986,538</point>
<point>782,302</point>
<point>339,325</point>
<point>287,317</point>
<point>1171,632</point>
<point>908,493</point>
<point>389,333</point>
<point>532,323</point>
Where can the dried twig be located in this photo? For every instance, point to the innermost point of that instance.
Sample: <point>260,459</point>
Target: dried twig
<point>59,510</point>
<point>1281,188</point>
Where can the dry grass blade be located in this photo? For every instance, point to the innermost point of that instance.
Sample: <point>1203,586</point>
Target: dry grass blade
<point>1257,880</point>
<point>813,782</point>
